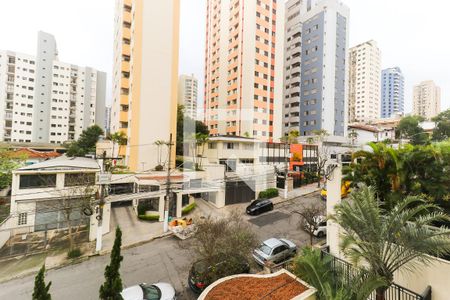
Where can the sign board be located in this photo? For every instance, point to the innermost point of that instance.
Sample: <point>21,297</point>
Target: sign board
<point>104,178</point>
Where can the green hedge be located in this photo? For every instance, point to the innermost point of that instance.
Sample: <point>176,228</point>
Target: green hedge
<point>149,217</point>
<point>188,208</point>
<point>74,253</point>
<point>269,193</point>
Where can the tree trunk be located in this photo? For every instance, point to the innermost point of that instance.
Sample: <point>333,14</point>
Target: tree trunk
<point>380,293</point>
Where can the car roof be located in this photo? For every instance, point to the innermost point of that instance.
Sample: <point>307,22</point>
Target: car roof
<point>273,242</point>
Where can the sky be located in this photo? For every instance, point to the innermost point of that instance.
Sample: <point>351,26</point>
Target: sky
<point>411,34</point>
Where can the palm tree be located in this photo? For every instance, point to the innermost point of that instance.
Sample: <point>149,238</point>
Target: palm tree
<point>389,240</point>
<point>200,141</point>
<point>317,270</point>
<point>120,138</point>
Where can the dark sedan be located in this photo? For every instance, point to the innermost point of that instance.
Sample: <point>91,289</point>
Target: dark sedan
<point>259,206</point>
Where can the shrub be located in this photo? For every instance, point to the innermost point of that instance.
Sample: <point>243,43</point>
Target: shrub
<point>74,253</point>
<point>149,217</point>
<point>269,193</point>
<point>188,208</point>
<point>159,168</point>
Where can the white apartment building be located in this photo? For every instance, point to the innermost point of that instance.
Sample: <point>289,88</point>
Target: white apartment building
<point>364,82</point>
<point>427,99</point>
<point>44,100</point>
<point>188,94</point>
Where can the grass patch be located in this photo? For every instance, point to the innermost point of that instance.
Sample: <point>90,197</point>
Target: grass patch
<point>74,253</point>
<point>188,208</point>
<point>149,217</point>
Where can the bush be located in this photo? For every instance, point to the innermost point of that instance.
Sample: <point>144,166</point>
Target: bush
<point>159,168</point>
<point>188,208</point>
<point>74,253</point>
<point>269,193</point>
<point>149,217</point>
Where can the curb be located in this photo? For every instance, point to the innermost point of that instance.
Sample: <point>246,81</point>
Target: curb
<point>293,198</point>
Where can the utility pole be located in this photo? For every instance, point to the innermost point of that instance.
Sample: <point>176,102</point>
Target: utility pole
<point>98,242</point>
<point>168,191</point>
<point>286,170</point>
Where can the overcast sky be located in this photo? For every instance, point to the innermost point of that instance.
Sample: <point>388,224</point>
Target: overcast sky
<point>412,34</point>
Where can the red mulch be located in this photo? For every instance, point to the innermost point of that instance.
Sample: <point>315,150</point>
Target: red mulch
<point>281,287</point>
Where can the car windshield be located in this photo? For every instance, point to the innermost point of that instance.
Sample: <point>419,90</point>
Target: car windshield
<point>265,249</point>
<point>151,292</point>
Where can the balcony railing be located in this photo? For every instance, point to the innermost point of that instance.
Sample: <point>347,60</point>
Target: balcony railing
<point>345,271</point>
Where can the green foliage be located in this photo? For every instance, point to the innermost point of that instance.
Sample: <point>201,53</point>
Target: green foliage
<point>148,217</point>
<point>442,129</point>
<point>111,288</point>
<point>86,142</point>
<point>269,193</point>
<point>387,240</point>
<point>41,291</point>
<point>119,138</point>
<point>7,165</point>
<point>183,120</point>
<point>188,208</point>
<point>409,128</point>
<point>74,253</point>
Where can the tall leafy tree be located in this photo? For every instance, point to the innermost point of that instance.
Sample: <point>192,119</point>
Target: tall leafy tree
<point>409,128</point>
<point>111,288</point>
<point>119,138</point>
<point>41,291</point>
<point>186,123</point>
<point>8,163</point>
<point>386,241</point>
<point>442,130</point>
<point>86,142</point>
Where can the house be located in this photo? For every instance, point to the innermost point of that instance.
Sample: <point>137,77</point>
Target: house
<point>281,285</point>
<point>361,134</point>
<point>32,156</point>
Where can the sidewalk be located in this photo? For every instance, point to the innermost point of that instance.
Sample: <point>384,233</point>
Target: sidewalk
<point>298,192</point>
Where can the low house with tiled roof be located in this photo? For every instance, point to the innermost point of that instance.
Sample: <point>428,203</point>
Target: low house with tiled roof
<point>33,156</point>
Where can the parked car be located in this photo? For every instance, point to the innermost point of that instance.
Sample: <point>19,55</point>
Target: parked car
<point>274,250</point>
<point>259,206</point>
<point>143,291</point>
<point>202,274</point>
<point>319,228</point>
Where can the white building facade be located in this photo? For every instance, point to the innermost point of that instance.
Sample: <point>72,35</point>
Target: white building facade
<point>364,82</point>
<point>44,100</point>
<point>427,99</point>
<point>188,94</point>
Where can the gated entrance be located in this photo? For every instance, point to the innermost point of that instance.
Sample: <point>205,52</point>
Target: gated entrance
<point>239,191</point>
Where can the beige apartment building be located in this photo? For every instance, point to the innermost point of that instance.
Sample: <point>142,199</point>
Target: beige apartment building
<point>427,99</point>
<point>364,82</point>
<point>145,77</point>
<point>243,69</point>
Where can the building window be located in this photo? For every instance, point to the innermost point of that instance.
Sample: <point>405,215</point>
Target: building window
<point>212,146</point>
<point>77,179</point>
<point>230,145</point>
<point>37,181</point>
<point>23,219</point>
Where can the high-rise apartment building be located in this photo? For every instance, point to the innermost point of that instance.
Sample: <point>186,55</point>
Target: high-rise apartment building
<point>364,82</point>
<point>145,77</point>
<point>427,99</point>
<point>187,94</point>
<point>44,100</point>
<point>243,70</point>
<point>321,100</point>
<point>392,92</point>
<point>107,119</point>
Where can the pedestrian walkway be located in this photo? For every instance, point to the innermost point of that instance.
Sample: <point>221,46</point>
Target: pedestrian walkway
<point>298,192</point>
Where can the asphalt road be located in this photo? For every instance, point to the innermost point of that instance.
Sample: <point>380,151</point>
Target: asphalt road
<point>166,260</point>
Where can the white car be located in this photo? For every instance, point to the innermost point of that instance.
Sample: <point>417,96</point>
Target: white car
<point>274,250</point>
<point>320,227</point>
<point>143,291</point>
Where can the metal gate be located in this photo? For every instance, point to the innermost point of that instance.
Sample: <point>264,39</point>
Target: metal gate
<point>297,180</point>
<point>280,182</point>
<point>239,191</point>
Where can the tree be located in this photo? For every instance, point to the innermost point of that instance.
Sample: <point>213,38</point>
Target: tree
<point>222,239</point>
<point>388,240</point>
<point>309,215</point>
<point>442,130</point>
<point>86,142</point>
<point>119,138</point>
<point>8,163</point>
<point>318,271</point>
<point>322,151</point>
<point>40,291</point>
<point>409,128</point>
<point>186,123</point>
<point>110,290</point>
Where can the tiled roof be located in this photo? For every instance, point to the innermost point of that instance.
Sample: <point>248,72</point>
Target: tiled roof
<point>30,153</point>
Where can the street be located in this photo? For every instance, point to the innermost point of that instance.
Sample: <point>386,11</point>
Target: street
<point>167,260</point>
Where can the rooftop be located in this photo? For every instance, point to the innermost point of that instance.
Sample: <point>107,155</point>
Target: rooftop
<point>63,162</point>
<point>30,153</point>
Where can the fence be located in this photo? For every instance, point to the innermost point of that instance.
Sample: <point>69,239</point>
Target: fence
<point>345,272</point>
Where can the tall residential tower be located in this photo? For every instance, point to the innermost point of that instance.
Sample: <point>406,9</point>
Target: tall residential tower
<point>317,97</point>
<point>427,99</point>
<point>44,100</point>
<point>364,82</point>
<point>145,77</point>
<point>392,92</point>
<point>243,70</point>
<point>187,94</point>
